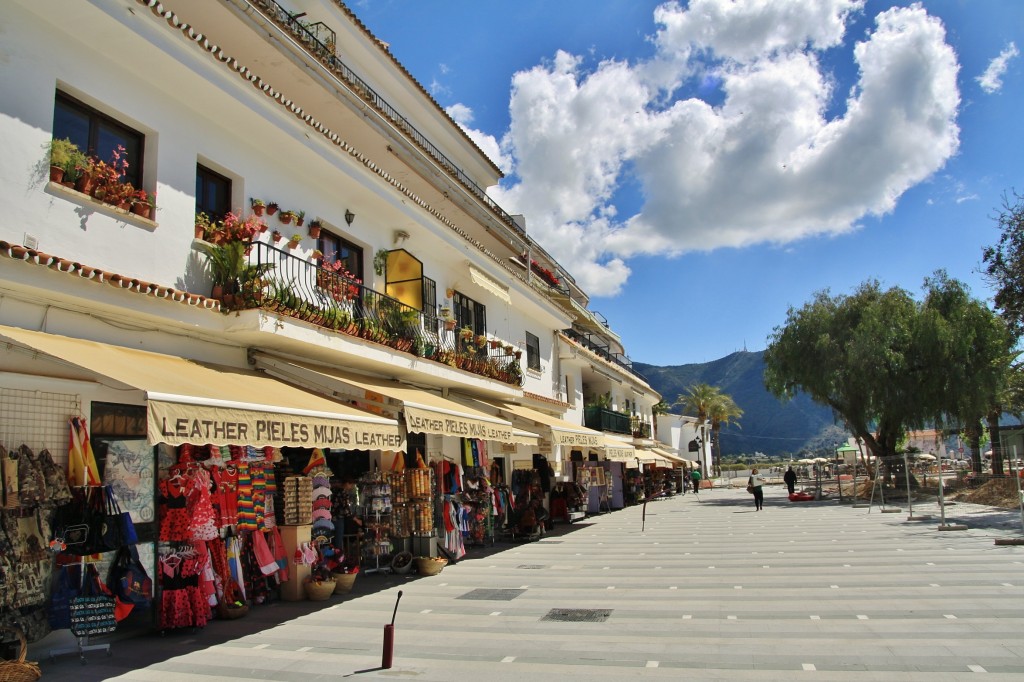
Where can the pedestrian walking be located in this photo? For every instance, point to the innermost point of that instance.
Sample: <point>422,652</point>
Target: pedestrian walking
<point>790,478</point>
<point>695,477</point>
<point>755,485</point>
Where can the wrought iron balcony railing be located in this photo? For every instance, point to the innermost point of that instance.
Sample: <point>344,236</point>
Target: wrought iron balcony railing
<point>603,419</point>
<point>275,280</point>
<point>588,342</point>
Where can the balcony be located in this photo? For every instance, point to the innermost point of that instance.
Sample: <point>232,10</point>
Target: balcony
<point>639,428</point>
<point>319,43</point>
<point>588,341</point>
<point>603,419</point>
<point>273,279</point>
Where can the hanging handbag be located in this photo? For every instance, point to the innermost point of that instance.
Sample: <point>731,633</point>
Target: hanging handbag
<point>128,579</point>
<point>65,588</point>
<point>92,612</point>
<point>71,525</point>
<point>120,530</point>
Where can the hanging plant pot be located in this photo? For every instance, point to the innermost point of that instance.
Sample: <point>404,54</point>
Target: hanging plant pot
<point>259,208</point>
<point>314,230</point>
<point>271,208</point>
<point>56,174</point>
<point>285,217</point>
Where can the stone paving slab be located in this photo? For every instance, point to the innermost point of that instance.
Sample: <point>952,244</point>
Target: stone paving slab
<point>709,589</point>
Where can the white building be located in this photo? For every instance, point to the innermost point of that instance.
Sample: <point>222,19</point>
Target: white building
<point>219,104</point>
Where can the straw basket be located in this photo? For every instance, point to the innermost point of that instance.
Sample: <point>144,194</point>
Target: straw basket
<point>19,670</point>
<point>343,582</point>
<point>430,565</point>
<point>318,591</point>
<point>233,605</point>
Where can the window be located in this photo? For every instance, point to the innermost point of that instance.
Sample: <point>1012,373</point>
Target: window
<point>430,303</point>
<point>532,352</point>
<point>469,313</point>
<point>335,248</point>
<point>213,193</point>
<point>97,134</point>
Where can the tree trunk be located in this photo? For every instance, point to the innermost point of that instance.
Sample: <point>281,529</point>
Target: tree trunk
<point>973,435</point>
<point>997,445</point>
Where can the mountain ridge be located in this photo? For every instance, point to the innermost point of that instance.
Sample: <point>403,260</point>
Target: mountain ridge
<point>768,425</point>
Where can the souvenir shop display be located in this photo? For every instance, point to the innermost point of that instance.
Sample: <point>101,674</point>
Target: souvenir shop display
<point>376,547</point>
<point>476,513</point>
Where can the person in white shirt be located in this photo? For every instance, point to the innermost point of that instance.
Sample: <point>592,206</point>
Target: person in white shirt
<point>756,481</point>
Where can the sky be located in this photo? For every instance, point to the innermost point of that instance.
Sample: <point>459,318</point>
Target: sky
<point>702,167</point>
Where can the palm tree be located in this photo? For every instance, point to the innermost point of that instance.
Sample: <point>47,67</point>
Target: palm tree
<point>723,411</point>
<point>697,401</point>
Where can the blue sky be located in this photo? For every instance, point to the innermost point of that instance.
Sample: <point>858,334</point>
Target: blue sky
<point>701,167</point>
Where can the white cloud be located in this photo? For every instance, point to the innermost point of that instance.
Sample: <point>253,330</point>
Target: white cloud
<point>463,115</point>
<point>763,164</point>
<point>992,80</point>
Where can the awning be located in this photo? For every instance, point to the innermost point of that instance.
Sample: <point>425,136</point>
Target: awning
<point>618,450</point>
<point>196,402</point>
<point>562,432</point>
<point>424,412</point>
<point>675,459</point>
<point>648,456</point>
<point>488,283</point>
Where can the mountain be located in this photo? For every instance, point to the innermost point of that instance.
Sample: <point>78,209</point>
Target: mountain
<point>768,425</point>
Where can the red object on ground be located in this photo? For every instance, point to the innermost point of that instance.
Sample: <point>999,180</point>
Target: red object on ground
<point>800,497</point>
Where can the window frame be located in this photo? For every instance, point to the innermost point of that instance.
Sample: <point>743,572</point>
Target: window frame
<point>218,212</point>
<point>356,252</point>
<point>533,352</point>
<point>99,122</point>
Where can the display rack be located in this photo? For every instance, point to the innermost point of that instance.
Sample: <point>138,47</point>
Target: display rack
<point>476,497</point>
<point>376,548</point>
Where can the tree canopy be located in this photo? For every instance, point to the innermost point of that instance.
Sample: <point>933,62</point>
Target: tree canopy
<point>885,363</point>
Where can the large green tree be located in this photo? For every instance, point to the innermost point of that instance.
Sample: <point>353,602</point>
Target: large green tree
<point>1004,263</point>
<point>885,363</point>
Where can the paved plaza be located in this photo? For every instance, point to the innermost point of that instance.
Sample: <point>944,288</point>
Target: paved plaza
<point>706,589</point>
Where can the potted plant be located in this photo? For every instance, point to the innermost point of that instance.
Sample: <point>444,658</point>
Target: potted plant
<point>203,225</point>
<point>64,157</point>
<point>294,241</point>
<point>481,341</point>
<point>286,217</point>
<point>272,207</point>
<point>380,262</point>
<point>317,256</point>
<point>466,334</point>
<point>258,207</point>
<point>509,349</point>
<point>314,228</point>
<point>276,236</point>
<point>300,217</point>
<point>143,203</point>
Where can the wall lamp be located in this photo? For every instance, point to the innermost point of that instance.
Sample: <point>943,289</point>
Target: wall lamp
<point>349,216</point>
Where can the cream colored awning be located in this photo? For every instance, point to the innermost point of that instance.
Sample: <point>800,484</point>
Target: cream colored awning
<point>675,459</point>
<point>617,449</point>
<point>424,412</point>
<point>196,402</point>
<point>488,283</point>
<point>562,432</point>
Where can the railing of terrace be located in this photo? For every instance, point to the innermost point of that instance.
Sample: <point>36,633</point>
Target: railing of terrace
<point>586,340</point>
<point>275,280</point>
<point>327,56</point>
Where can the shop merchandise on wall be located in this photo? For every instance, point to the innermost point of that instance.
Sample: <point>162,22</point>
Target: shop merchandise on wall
<point>32,486</point>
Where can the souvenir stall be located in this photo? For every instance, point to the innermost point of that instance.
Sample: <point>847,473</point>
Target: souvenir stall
<point>633,486</point>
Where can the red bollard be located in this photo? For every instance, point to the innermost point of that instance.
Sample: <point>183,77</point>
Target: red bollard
<point>389,638</point>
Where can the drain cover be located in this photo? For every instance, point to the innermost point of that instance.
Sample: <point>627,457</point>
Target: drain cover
<point>492,595</point>
<point>578,615</point>
<point>531,567</point>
